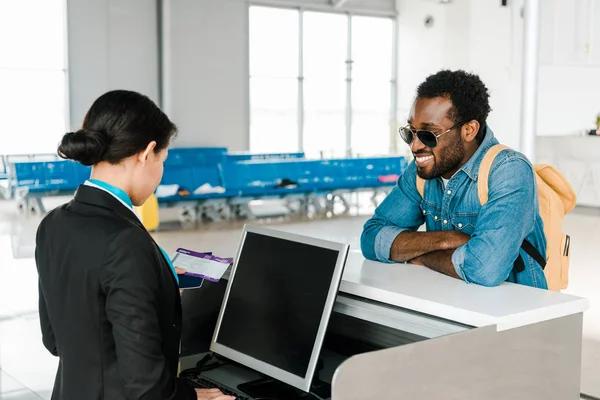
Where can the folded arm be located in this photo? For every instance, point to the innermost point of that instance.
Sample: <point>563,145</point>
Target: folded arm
<point>440,261</point>
<point>410,245</point>
<point>391,234</point>
<point>503,223</point>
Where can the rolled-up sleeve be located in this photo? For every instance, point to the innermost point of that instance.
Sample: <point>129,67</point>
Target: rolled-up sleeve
<point>503,223</point>
<point>458,260</point>
<point>400,211</point>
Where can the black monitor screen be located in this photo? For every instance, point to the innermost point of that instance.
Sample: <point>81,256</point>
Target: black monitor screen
<point>276,301</point>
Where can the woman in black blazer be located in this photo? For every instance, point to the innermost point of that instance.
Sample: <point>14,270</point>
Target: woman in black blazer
<point>110,307</point>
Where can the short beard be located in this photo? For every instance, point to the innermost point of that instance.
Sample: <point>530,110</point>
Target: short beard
<point>449,159</point>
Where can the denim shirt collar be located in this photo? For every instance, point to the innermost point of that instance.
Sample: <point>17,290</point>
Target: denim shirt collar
<point>471,167</point>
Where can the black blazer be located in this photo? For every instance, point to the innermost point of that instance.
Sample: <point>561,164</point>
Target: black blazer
<point>109,305</point>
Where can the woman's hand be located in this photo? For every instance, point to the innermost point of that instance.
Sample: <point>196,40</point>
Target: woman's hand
<point>212,394</point>
<point>180,271</point>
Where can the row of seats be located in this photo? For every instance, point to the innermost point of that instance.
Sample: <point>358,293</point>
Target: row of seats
<point>46,176</point>
<point>219,155</point>
<point>273,176</point>
<point>232,174</point>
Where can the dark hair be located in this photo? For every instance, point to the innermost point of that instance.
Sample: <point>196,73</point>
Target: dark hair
<point>469,96</point>
<point>119,124</point>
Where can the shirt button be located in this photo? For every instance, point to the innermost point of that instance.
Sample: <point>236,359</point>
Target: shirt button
<point>445,221</point>
<point>424,212</point>
<point>435,217</point>
<point>449,192</point>
<point>460,225</point>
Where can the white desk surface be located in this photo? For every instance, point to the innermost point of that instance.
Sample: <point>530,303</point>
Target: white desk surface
<point>420,289</point>
<point>417,288</point>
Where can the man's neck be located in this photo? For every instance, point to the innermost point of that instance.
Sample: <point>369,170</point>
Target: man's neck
<point>469,151</point>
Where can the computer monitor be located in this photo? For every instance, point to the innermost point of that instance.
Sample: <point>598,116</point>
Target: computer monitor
<point>277,304</point>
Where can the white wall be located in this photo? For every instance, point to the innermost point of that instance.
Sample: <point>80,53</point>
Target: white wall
<point>496,56</point>
<point>112,45</point>
<point>569,95</point>
<point>568,99</point>
<point>423,50</point>
<point>483,37</point>
<point>460,39</point>
<point>206,71</point>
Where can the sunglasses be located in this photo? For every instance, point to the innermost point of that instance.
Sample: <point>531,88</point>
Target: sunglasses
<point>428,138</point>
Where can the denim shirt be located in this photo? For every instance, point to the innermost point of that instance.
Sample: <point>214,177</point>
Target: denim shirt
<point>497,229</point>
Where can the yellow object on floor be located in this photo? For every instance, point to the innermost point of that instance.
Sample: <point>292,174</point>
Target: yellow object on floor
<point>148,213</point>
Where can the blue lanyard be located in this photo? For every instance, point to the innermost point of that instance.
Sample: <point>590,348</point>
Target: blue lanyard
<point>121,195</point>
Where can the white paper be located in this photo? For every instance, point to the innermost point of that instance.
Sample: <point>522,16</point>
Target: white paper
<point>207,188</point>
<point>200,267</point>
<point>166,190</point>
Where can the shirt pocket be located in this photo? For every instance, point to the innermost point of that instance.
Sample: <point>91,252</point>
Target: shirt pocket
<point>464,222</point>
<point>433,216</point>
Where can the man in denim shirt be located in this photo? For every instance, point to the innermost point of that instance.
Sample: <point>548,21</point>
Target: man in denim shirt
<point>448,136</point>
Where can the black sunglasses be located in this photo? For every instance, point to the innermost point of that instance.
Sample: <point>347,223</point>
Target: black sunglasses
<point>428,138</point>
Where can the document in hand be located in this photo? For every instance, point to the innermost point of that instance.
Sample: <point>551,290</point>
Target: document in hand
<point>201,265</point>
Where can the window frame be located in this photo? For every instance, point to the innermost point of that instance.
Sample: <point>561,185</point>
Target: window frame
<point>301,106</point>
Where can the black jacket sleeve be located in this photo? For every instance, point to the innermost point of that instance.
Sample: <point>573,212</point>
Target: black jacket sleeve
<point>47,333</point>
<point>129,279</point>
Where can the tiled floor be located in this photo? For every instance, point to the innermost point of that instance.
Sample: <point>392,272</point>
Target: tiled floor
<point>27,369</point>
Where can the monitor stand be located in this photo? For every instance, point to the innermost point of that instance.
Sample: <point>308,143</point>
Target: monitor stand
<point>272,389</point>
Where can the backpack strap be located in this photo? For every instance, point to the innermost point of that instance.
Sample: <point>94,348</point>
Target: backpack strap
<point>484,172</point>
<point>533,253</point>
<point>483,192</point>
<point>421,186</point>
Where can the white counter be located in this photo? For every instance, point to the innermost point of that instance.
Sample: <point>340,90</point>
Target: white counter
<point>420,289</point>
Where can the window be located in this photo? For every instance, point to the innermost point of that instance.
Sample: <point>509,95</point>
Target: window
<point>372,125</point>
<point>325,55</point>
<point>320,82</point>
<point>32,76</point>
<point>274,79</point>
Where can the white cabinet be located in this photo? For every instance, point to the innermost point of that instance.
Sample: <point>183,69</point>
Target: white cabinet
<point>576,157</point>
<point>570,32</point>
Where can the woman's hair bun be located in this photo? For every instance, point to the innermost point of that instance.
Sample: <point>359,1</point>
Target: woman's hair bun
<point>85,146</point>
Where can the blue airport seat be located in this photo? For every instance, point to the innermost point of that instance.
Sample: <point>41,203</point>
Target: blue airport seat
<point>30,175</point>
<point>59,175</point>
<point>191,177</point>
<point>246,156</point>
<point>261,178</point>
<point>195,156</point>
<point>50,176</point>
<point>81,172</point>
<point>241,175</point>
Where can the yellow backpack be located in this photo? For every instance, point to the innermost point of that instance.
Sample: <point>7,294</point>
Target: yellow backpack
<point>556,199</point>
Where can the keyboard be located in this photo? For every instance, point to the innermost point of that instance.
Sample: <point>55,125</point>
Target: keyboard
<point>200,382</point>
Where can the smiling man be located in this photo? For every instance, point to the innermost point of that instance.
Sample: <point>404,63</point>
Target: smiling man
<point>448,136</point>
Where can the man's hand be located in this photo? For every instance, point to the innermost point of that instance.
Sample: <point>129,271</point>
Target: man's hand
<point>416,261</point>
<point>409,245</point>
<point>440,261</point>
<point>180,271</point>
<point>212,394</point>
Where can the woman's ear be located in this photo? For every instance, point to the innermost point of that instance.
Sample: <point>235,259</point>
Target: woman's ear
<point>469,131</point>
<point>145,155</point>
